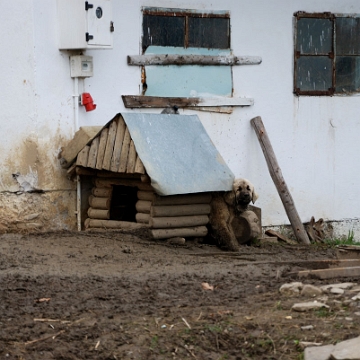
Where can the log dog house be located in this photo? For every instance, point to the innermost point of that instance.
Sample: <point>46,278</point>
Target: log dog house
<point>148,170</point>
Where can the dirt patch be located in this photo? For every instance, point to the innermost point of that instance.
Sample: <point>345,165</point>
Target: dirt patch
<point>121,296</point>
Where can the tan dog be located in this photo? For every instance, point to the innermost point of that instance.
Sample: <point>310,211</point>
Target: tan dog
<point>226,206</point>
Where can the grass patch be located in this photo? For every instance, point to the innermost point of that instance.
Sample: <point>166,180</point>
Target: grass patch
<point>346,240</point>
<point>322,312</point>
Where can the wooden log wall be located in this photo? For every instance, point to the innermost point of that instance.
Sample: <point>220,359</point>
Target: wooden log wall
<point>99,206</point>
<point>112,150</point>
<point>166,216</point>
<point>173,216</point>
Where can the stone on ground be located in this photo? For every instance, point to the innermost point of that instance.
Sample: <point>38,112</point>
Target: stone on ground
<point>318,352</point>
<point>306,306</point>
<point>347,350</point>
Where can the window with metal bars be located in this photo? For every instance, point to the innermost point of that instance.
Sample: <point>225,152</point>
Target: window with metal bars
<point>327,54</point>
<point>184,28</point>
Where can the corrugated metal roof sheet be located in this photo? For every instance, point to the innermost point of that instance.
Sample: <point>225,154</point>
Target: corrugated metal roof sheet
<point>178,154</point>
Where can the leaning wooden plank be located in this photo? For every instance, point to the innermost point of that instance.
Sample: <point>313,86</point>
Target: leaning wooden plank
<point>139,167</point>
<point>178,221</point>
<point>141,101</point>
<point>109,145</point>
<point>114,224</point>
<point>99,202</point>
<point>102,147</point>
<point>105,192</point>
<point>196,231</point>
<point>93,153</point>
<point>142,218</point>
<point>98,214</point>
<point>180,210</point>
<point>167,59</point>
<point>81,138</point>
<point>124,152</point>
<point>143,206</point>
<point>120,133</point>
<point>106,182</point>
<point>276,175</point>
<point>353,271</point>
<point>82,157</point>
<point>130,168</point>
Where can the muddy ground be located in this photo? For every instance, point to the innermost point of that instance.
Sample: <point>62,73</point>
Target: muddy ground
<point>121,296</point>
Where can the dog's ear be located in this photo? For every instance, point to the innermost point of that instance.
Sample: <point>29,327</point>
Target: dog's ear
<point>229,197</point>
<point>254,195</point>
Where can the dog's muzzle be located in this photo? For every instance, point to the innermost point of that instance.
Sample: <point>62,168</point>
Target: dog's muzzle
<point>243,198</point>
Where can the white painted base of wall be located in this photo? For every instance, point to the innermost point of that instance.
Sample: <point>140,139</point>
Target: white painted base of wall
<point>334,229</point>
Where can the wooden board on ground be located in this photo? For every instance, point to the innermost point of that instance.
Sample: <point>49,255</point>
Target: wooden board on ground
<point>281,237</point>
<point>352,271</point>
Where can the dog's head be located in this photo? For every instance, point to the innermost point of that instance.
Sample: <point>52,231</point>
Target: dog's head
<point>244,192</point>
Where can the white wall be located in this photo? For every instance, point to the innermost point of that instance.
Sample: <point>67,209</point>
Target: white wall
<point>314,138</point>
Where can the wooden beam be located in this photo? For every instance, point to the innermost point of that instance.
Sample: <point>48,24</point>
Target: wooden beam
<point>141,60</point>
<point>142,218</point>
<point>141,101</point>
<point>143,206</point>
<point>113,224</point>
<point>102,192</point>
<point>178,221</point>
<point>106,182</point>
<point>180,210</point>
<point>276,175</point>
<point>197,231</point>
<point>124,152</point>
<point>102,147</point>
<point>109,145</point>
<point>119,138</point>
<point>93,152</point>
<point>100,203</point>
<point>83,156</point>
<point>98,214</point>
<point>130,168</point>
<point>186,199</point>
<point>353,271</point>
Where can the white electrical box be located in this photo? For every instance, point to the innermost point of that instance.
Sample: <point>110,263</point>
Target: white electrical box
<point>85,24</point>
<point>81,66</point>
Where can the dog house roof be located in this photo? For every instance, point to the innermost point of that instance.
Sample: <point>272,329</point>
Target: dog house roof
<point>175,150</point>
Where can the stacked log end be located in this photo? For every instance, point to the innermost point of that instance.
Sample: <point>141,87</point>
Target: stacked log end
<point>99,206</point>
<point>174,216</point>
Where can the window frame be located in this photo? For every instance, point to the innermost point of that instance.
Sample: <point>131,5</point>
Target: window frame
<point>172,12</point>
<point>325,15</point>
<point>333,55</point>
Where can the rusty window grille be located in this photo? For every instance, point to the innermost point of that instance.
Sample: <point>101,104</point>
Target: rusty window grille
<point>327,54</point>
<point>185,28</point>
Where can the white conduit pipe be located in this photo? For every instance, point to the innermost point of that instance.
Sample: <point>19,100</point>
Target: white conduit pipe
<point>76,128</point>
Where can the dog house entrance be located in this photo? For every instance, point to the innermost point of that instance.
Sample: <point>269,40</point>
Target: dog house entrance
<point>123,203</point>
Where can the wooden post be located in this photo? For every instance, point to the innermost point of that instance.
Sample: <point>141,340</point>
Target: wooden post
<point>279,181</point>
